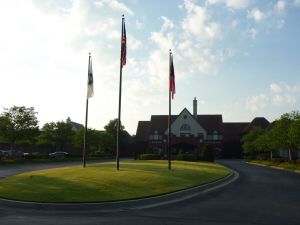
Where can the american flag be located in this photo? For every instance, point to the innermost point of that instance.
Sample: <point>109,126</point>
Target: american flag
<point>123,44</point>
<point>172,76</point>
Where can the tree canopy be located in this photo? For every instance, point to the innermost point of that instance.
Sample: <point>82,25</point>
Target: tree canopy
<point>17,124</point>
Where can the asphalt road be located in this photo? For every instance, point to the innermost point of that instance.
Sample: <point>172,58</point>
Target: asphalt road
<point>260,196</point>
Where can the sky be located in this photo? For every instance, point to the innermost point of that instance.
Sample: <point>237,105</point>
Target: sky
<point>239,58</point>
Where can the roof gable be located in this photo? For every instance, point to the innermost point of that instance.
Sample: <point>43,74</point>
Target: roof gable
<point>185,117</point>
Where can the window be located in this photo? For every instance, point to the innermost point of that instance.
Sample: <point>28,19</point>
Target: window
<point>185,127</point>
<point>215,135</point>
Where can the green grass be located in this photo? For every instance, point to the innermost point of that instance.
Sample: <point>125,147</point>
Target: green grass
<point>102,182</point>
<point>284,165</point>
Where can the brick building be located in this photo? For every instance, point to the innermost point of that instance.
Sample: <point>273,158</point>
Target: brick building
<point>190,132</point>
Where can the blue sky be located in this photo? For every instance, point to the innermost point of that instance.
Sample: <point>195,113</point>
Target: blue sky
<point>239,58</point>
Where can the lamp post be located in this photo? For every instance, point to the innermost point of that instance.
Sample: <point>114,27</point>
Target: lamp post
<point>200,145</point>
<point>165,146</point>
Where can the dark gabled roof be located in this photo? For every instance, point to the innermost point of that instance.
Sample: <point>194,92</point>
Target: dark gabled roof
<point>233,131</point>
<point>211,123</point>
<point>76,125</point>
<point>143,130</point>
<point>159,123</point>
<point>261,122</point>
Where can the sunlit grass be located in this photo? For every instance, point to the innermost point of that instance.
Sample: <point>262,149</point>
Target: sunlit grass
<point>102,182</point>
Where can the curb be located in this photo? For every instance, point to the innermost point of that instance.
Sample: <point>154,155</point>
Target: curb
<point>274,167</point>
<point>114,206</point>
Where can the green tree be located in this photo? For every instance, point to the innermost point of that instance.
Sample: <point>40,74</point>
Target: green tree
<point>18,123</point>
<point>283,138</point>
<point>96,140</point>
<point>294,134</point>
<point>112,126</point>
<point>57,135</point>
<point>111,129</point>
<point>249,146</point>
<point>264,142</point>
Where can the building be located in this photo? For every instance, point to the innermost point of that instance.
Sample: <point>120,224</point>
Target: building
<point>190,132</point>
<point>75,126</point>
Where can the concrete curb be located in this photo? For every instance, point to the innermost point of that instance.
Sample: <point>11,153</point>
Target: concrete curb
<point>122,205</point>
<point>274,167</point>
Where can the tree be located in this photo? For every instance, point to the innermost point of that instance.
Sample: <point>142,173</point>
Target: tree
<point>249,146</point>
<point>18,123</point>
<point>264,142</point>
<point>96,140</point>
<point>56,134</point>
<point>283,140</point>
<point>294,134</point>
<point>111,129</point>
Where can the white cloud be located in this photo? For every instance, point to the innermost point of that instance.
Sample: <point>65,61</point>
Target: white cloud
<point>235,4</point>
<point>168,24</point>
<point>275,88</point>
<point>256,103</point>
<point>278,100</point>
<point>133,43</point>
<point>256,14</point>
<point>280,6</point>
<point>115,5</point>
<point>197,22</point>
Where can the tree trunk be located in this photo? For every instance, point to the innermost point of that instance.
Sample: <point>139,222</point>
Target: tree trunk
<point>271,154</point>
<point>290,155</point>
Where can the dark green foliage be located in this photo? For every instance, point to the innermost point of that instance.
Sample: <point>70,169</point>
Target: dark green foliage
<point>18,124</point>
<point>186,157</point>
<point>249,146</point>
<point>150,157</point>
<point>208,153</point>
<point>58,135</point>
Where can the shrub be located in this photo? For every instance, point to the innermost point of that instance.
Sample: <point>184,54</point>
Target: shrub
<point>150,156</point>
<point>208,154</point>
<point>186,157</point>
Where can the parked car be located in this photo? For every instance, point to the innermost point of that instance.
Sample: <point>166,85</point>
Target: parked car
<point>58,155</point>
<point>4,154</point>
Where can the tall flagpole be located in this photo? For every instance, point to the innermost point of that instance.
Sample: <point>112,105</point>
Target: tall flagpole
<point>119,115</point>
<point>85,132</point>
<point>169,118</point>
<point>122,63</point>
<point>90,93</point>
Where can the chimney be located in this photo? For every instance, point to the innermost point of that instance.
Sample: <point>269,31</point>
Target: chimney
<point>195,107</point>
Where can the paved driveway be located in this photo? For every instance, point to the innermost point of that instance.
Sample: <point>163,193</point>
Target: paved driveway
<point>260,196</point>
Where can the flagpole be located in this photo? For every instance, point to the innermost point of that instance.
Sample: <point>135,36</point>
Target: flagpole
<point>85,132</point>
<point>169,119</point>
<point>120,102</point>
<point>119,119</point>
<point>86,120</point>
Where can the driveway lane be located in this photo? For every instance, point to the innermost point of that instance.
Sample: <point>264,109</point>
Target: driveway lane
<point>260,196</point>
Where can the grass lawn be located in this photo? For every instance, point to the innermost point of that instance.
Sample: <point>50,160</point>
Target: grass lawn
<point>102,182</point>
<point>285,165</point>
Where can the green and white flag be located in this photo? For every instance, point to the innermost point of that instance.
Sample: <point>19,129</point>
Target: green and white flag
<point>90,89</point>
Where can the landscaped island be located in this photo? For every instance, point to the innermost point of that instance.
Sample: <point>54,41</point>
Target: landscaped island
<point>102,182</point>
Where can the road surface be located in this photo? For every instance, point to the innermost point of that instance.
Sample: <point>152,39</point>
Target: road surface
<point>260,196</point>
